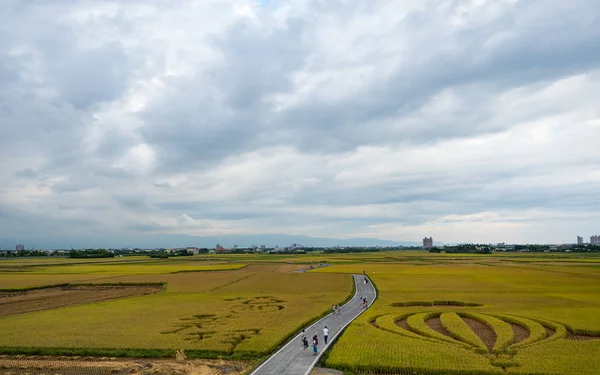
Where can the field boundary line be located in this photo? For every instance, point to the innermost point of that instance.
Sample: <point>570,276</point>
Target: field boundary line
<point>232,282</point>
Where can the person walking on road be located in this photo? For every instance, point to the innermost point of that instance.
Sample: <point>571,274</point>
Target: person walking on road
<point>325,334</point>
<point>315,343</point>
<point>304,343</point>
<point>338,309</point>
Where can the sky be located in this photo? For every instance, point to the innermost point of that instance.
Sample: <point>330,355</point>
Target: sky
<point>468,121</point>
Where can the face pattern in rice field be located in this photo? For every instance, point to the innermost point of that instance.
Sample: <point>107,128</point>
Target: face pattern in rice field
<point>498,337</point>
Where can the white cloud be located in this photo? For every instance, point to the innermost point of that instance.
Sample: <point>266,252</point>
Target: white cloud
<point>468,121</point>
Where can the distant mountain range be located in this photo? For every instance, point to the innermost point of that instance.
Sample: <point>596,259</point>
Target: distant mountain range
<point>175,240</point>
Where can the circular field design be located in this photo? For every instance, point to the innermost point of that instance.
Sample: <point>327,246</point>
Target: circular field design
<point>484,331</point>
<point>497,336</point>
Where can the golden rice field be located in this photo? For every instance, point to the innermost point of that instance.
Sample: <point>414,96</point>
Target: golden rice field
<point>221,308</point>
<point>435,313</point>
<point>528,315</point>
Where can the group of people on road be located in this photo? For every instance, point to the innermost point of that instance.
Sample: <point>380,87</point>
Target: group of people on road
<point>363,303</point>
<point>315,341</point>
<point>336,309</point>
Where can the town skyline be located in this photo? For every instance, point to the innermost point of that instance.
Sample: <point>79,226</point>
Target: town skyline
<point>283,240</point>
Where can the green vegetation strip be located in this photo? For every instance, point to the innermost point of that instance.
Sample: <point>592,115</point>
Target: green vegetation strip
<point>66,285</point>
<point>26,289</point>
<point>126,353</point>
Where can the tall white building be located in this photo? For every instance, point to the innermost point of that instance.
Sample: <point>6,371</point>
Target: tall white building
<point>579,240</point>
<point>595,240</point>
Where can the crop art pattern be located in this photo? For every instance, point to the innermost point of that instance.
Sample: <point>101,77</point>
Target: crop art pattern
<point>497,337</point>
<point>201,327</point>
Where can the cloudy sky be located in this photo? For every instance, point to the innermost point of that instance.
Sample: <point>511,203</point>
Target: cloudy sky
<point>468,121</point>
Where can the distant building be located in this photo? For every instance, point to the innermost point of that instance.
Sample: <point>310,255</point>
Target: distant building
<point>595,240</point>
<point>427,243</point>
<point>221,250</point>
<point>19,247</point>
<point>579,240</point>
<point>193,250</point>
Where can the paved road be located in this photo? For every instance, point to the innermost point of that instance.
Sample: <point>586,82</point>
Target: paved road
<point>291,358</point>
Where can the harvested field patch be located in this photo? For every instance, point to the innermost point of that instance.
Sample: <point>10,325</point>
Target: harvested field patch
<point>485,333</point>
<point>549,331</point>
<point>95,366</point>
<point>520,332</point>
<point>578,337</point>
<point>403,323</point>
<point>12,303</point>
<point>436,324</point>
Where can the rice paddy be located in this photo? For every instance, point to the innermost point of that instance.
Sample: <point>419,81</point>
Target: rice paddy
<point>479,315</point>
<point>435,313</point>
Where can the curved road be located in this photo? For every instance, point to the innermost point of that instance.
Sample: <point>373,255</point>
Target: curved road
<point>291,358</point>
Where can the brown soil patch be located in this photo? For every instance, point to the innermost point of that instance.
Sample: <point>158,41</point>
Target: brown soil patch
<point>95,366</point>
<point>485,333</point>
<point>520,332</point>
<point>12,303</point>
<point>577,337</point>
<point>436,325</point>
<point>403,323</point>
<point>549,331</point>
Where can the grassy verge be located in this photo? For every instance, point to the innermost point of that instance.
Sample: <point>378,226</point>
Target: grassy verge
<point>26,289</point>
